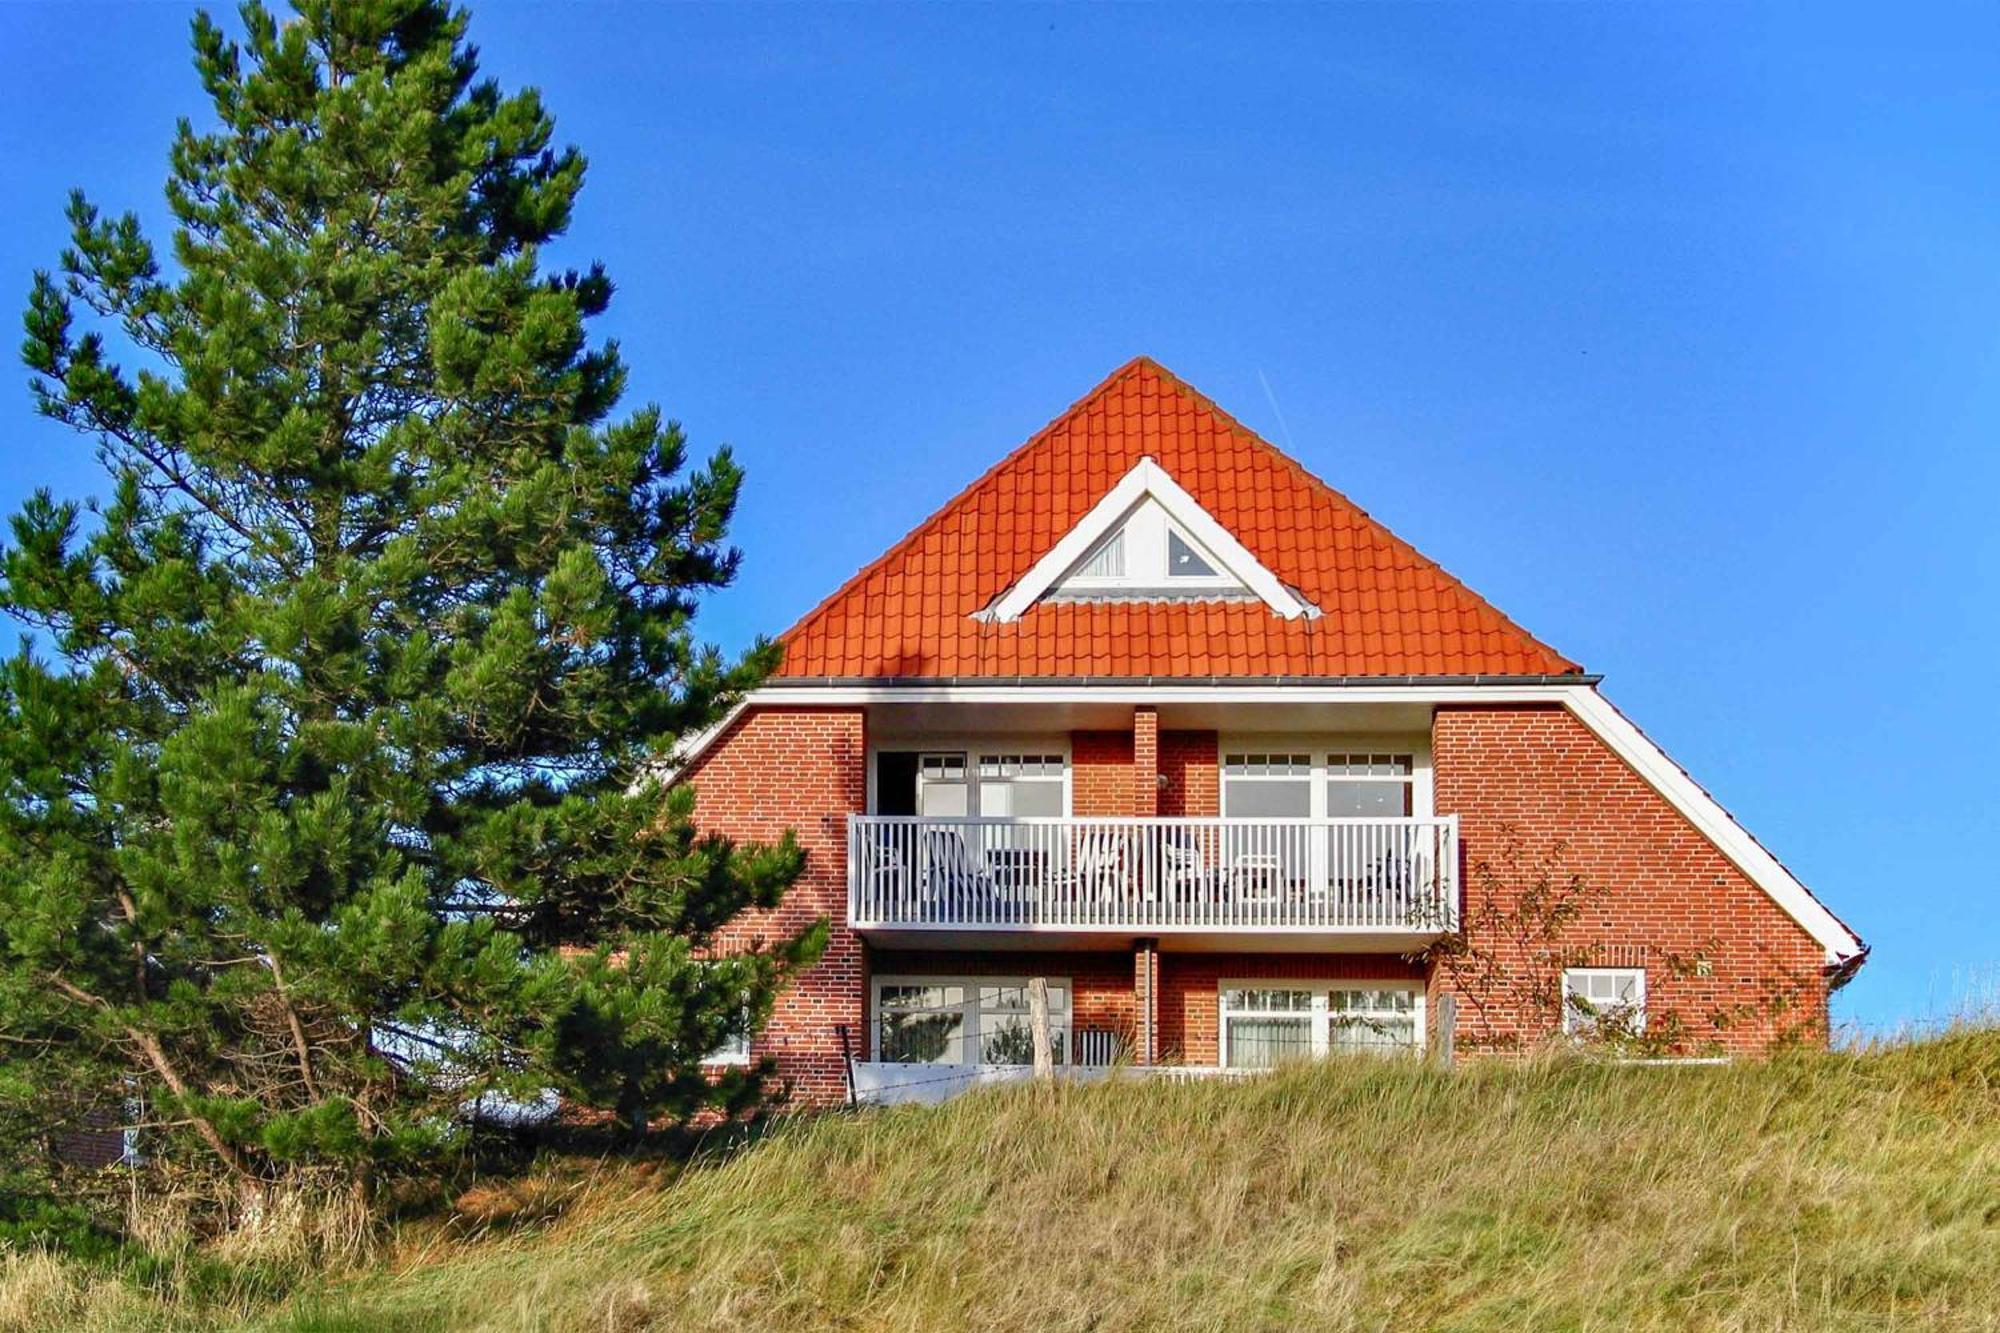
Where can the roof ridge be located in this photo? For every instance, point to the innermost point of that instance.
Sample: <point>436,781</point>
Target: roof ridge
<point>1314,479</point>
<point>974,486</point>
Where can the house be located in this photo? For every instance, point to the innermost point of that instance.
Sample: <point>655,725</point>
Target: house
<point>1151,713</point>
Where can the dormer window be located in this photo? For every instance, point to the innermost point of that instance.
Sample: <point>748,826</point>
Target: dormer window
<point>1147,541</point>
<point>1147,555</point>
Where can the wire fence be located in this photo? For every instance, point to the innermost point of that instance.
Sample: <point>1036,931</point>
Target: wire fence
<point>869,1091</point>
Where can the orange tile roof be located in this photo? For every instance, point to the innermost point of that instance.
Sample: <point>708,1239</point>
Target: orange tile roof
<point>1388,611</point>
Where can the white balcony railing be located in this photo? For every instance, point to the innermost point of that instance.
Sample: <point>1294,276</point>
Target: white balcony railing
<point>1384,876</point>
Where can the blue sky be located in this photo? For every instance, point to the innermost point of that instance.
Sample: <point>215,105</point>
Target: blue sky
<point>1673,331</point>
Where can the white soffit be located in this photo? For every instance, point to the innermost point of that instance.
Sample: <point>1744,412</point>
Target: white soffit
<point>1148,481</point>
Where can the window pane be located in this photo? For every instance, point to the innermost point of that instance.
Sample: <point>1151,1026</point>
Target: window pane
<point>1006,1031</point>
<point>921,996</point>
<point>1259,1043</point>
<point>921,1023</point>
<point>934,1038</point>
<point>947,767</point>
<point>1387,1001</point>
<point>1284,1001</point>
<point>1262,765</point>
<point>1010,1040</point>
<point>1267,799</point>
<point>1108,561</point>
<point>1182,561</point>
<point>1371,1032</point>
<point>996,798</point>
<point>1013,999</point>
<point>1348,799</point>
<point>1038,799</point>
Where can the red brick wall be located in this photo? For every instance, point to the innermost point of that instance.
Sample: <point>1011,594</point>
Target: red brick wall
<point>1101,772</point>
<point>1190,990</point>
<point>1145,761</point>
<point>1194,784</point>
<point>804,769</point>
<point>1529,777</point>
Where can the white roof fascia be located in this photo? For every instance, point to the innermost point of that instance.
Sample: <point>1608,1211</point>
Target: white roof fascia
<point>1716,824</point>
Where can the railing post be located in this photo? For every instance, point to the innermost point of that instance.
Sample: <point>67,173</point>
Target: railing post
<point>1451,861</point>
<point>853,872</point>
<point>847,1061</point>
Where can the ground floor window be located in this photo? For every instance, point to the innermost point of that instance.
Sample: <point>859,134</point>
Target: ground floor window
<point>965,1020</point>
<point>1604,1001</point>
<point>1266,1022</point>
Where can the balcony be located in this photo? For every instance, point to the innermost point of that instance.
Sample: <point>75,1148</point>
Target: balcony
<point>1354,884</point>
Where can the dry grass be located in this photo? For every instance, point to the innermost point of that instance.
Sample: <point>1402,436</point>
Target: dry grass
<point>39,1293</point>
<point>1857,1190</point>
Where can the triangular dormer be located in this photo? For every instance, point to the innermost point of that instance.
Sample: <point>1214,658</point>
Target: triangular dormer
<point>1147,540</point>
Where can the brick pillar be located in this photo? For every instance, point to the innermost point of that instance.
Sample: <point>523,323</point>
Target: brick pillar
<point>1146,952</point>
<point>1146,1000</point>
<point>1145,761</point>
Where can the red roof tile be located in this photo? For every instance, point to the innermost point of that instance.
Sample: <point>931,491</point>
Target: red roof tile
<point>1388,611</point>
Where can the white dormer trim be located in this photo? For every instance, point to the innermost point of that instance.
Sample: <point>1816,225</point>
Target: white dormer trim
<point>1143,540</point>
<point>1148,480</point>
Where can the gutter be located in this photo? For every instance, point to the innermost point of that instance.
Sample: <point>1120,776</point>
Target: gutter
<point>1840,973</point>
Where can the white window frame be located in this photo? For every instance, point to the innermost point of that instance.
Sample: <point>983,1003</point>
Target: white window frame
<point>998,756</point>
<point>1573,1020</point>
<point>972,747</point>
<point>1320,1013</point>
<point>1143,564</point>
<point>972,1036</point>
<point>1321,749</point>
<point>1313,766</point>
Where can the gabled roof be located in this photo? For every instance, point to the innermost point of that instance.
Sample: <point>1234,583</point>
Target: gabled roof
<point>1385,610</point>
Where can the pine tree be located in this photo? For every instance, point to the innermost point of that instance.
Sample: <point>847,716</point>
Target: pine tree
<point>325,794</point>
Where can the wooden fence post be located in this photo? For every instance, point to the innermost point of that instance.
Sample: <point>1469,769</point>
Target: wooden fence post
<point>1038,1029</point>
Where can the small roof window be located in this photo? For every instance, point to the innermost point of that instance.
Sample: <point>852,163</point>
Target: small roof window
<point>1183,562</point>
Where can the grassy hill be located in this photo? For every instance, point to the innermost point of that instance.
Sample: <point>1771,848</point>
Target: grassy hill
<point>1812,1192</point>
